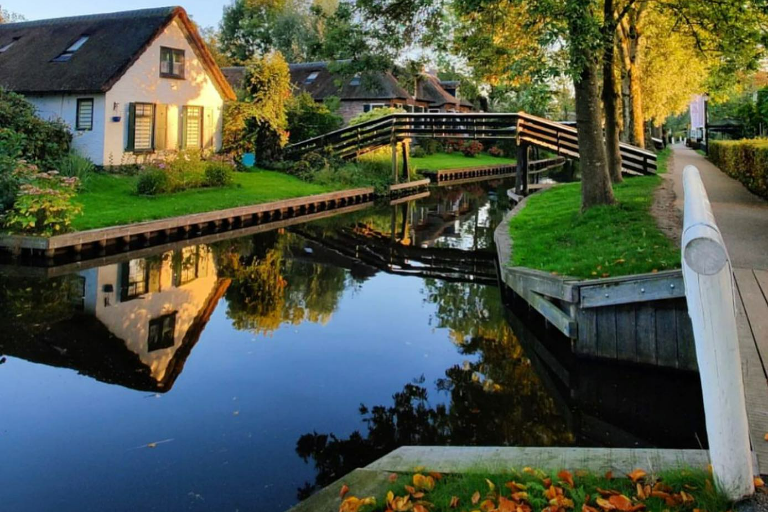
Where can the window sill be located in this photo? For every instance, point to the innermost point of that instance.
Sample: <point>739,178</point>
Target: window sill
<point>172,77</point>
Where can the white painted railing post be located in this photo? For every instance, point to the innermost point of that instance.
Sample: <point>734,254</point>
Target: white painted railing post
<point>711,306</point>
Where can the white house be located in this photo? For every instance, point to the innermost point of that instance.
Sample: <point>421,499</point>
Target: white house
<point>132,85</point>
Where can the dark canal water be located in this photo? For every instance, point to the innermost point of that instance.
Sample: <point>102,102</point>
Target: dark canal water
<point>247,373</point>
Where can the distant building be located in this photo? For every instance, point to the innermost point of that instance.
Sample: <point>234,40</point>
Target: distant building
<point>132,85</point>
<point>359,94</point>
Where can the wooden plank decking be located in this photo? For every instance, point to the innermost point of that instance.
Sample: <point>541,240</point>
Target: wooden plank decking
<point>752,324</point>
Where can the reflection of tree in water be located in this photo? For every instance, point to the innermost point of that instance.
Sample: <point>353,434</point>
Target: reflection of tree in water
<point>270,287</point>
<point>495,400</point>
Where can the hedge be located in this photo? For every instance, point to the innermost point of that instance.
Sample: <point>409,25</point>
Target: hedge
<point>746,160</point>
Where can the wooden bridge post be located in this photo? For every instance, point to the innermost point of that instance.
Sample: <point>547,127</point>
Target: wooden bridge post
<point>393,146</point>
<point>521,182</point>
<point>406,159</point>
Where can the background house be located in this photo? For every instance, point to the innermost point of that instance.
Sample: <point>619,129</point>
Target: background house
<point>131,85</point>
<point>358,94</point>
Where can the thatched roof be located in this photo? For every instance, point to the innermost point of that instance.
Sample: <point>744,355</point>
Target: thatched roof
<point>115,42</point>
<point>431,90</point>
<point>379,85</point>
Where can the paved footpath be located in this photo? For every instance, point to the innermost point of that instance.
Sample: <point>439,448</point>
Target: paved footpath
<point>743,220</point>
<point>741,216</point>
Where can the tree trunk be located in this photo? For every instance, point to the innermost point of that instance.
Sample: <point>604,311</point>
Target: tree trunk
<point>610,103</point>
<point>626,106</point>
<point>595,181</point>
<point>631,51</point>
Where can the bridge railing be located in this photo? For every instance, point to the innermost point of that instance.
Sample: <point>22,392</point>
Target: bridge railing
<point>557,137</point>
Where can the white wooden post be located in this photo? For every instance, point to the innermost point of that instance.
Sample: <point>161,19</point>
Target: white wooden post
<point>711,306</point>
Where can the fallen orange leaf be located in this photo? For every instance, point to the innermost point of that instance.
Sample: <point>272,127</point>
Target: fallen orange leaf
<point>487,506</point>
<point>393,477</point>
<point>604,504</point>
<point>353,504</point>
<point>759,482</point>
<point>476,497</point>
<point>636,475</point>
<point>454,502</point>
<point>566,477</point>
<point>419,508</point>
<point>624,504</point>
<point>423,482</point>
<point>606,492</point>
<point>436,475</point>
<point>609,475</point>
<point>344,490</point>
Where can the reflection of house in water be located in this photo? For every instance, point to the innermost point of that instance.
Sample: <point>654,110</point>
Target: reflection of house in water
<point>142,317</point>
<point>153,304</point>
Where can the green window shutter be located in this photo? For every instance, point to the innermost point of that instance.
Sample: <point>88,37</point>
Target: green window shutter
<point>131,126</point>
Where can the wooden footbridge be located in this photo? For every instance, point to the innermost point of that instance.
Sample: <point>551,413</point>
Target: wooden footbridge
<point>528,130</point>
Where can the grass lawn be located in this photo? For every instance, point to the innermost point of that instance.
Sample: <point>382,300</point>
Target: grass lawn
<point>530,489</point>
<point>551,234</point>
<point>110,199</point>
<point>456,160</point>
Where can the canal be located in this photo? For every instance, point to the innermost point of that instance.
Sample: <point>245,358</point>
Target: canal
<point>247,373</point>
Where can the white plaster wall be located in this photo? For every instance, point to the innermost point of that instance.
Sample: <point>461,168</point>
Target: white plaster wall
<point>64,107</point>
<point>129,320</point>
<point>142,83</point>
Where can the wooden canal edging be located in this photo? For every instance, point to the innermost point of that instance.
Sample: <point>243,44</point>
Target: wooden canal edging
<point>407,188</point>
<point>456,175</point>
<point>151,231</point>
<point>636,319</point>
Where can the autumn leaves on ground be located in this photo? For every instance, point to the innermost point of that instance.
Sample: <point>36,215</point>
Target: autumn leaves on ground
<point>533,490</point>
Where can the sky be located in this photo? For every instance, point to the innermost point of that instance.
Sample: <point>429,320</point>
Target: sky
<point>204,12</point>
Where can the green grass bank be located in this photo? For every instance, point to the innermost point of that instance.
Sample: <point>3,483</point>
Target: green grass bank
<point>456,160</point>
<point>111,199</point>
<point>551,233</point>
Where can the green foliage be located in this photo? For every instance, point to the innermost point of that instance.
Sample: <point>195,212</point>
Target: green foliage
<point>258,27</point>
<point>430,146</point>
<point>258,123</point>
<point>306,118</point>
<point>472,148</point>
<point>218,174</point>
<point>456,161</point>
<point>42,142</point>
<point>745,160</point>
<point>552,234</point>
<point>495,151</point>
<point>73,165</point>
<point>44,203</point>
<point>418,152</point>
<point>152,181</point>
<point>374,114</point>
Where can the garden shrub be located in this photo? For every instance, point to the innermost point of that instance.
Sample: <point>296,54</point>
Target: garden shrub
<point>744,160</point>
<point>495,151</point>
<point>43,142</point>
<point>43,205</point>
<point>257,124</point>
<point>73,165</point>
<point>418,152</point>
<point>307,118</point>
<point>218,174</point>
<point>452,145</point>
<point>472,148</point>
<point>430,146</point>
<point>152,181</point>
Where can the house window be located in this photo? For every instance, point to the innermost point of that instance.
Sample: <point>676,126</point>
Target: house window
<point>355,80</point>
<point>141,127</point>
<point>192,126</point>
<point>434,110</point>
<point>64,57</point>
<point>311,78</point>
<point>171,62</point>
<point>161,332</point>
<point>373,106</point>
<point>134,279</point>
<point>84,120</point>
<point>7,47</point>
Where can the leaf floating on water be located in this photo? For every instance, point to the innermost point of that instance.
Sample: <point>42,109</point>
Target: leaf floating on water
<point>151,445</point>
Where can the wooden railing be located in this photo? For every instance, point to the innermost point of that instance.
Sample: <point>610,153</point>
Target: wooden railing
<point>557,137</point>
<point>711,301</point>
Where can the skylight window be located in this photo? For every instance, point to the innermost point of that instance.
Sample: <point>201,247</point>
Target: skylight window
<point>5,48</point>
<point>355,80</point>
<point>64,57</point>
<point>311,77</point>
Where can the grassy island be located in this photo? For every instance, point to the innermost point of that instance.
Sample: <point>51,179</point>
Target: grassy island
<point>551,234</point>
